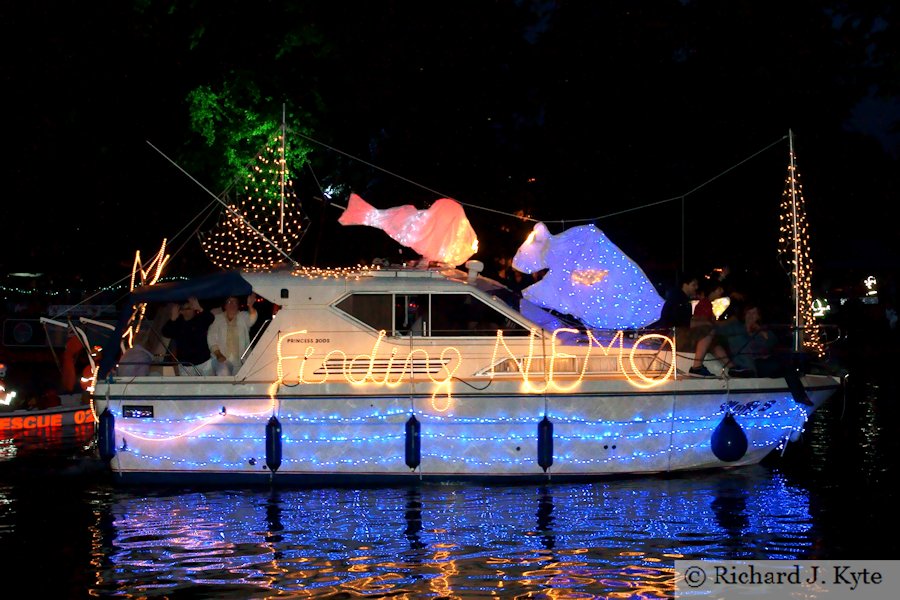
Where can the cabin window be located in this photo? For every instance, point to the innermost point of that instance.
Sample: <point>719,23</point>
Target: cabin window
<point>411,314</point>
<point>466,315</point>
<point>565,365</point>
<point>375,310</point>
<point>429,315</point>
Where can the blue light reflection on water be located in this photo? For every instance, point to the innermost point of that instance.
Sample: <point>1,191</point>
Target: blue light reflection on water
<point>456,539</point>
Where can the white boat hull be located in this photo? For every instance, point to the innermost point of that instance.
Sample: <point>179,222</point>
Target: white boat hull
<point>219,437</point>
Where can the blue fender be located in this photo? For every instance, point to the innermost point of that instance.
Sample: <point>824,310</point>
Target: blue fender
<point>728,440</point>
<point>413,446</point>
<point>106,435</point>
<point>273,444</point>
<point>545,444</point>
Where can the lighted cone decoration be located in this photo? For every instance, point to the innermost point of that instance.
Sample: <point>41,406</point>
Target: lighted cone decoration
<point>259,231</point>
<point>794,251</point>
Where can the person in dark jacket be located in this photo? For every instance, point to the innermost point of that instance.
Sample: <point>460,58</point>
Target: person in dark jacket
<point>692,336</point>
<point>187,327</point>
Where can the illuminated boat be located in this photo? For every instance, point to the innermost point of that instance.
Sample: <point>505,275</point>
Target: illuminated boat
<point>396,374</point>
<point>17,419</point>
<point>70,413</point>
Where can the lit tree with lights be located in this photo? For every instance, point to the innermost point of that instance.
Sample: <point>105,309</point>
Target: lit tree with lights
<point>793,249</point>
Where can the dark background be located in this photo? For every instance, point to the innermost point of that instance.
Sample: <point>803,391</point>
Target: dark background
<point>569,110</point>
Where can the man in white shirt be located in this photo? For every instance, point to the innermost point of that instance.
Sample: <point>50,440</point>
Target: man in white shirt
<point>229,334</point>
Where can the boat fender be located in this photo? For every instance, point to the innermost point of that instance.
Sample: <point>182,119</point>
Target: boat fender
<point>413,442</point>
<point>796,387</point>
<point>545,443</point>
<point>728,440</point>
<point>106,435</point>
<point>273,444</point>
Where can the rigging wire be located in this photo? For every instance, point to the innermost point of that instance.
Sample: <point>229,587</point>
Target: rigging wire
<point>401,178</point>
<point>227,207</point>
<point>527,218</point>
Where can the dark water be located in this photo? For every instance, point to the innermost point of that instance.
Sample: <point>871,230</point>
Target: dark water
<point>65,532</point>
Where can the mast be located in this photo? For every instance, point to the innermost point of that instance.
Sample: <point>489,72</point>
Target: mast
<point>796,239</point>
<point>283,166</point>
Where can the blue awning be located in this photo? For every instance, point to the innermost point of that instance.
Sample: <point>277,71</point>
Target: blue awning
<point>217,285</point>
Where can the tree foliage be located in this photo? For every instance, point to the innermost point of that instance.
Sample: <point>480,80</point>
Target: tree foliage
<point>237,126</point>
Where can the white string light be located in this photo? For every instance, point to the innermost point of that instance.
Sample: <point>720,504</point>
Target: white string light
<point>793,247</point>
<point>266,224</point>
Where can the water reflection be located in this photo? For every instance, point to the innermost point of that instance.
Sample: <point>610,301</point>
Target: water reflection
<point>44,442</point>
<point>845,437</point>
<point>729,506</point>
<point>413,518</point>
<point>545,517</point>
<point>450,540</point>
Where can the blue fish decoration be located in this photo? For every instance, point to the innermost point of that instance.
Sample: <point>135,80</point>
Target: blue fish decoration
<point>589,277</point>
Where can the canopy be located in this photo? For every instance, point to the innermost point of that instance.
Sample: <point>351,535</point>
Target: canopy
<point>218,285</point>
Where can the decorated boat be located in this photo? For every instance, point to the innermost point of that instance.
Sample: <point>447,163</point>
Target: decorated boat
<point>429,370</point>
<point>408,373</point>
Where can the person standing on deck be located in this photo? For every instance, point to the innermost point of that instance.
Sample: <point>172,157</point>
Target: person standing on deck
<point>187,326</point>
<point>229,335</point>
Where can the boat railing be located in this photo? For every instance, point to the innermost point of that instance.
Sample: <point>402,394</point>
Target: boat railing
<point>814,336</point>
<point>159,366</point>
<point>255,339</point>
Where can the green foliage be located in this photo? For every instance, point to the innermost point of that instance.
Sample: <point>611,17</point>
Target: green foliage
<point>236,126</point>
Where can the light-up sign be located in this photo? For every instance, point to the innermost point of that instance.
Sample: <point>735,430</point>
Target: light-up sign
<point>393,369</point>
<point>146,276</point>
<point>820,307</point>
<point>871,285</point>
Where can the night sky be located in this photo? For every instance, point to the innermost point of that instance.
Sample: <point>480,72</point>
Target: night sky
<point>569,110</point>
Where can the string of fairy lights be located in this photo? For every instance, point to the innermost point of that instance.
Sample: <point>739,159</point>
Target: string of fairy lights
<point>266,224</point>
<point>793,248</point>
<point>11,291</point>
<point>370,437</point>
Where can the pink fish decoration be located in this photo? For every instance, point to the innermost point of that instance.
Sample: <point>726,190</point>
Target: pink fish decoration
<point>441,233</point>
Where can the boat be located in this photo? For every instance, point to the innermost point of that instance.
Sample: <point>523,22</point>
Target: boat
<point>336,387</point>
<point>47,414</point>
<point>35,401</point>
<point>13,422</point>
<point>430,370</point>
